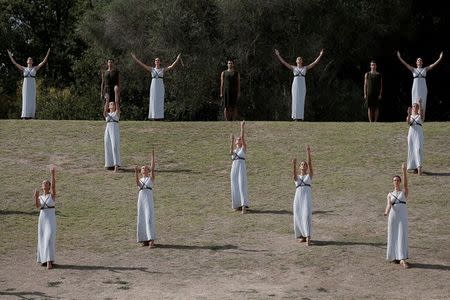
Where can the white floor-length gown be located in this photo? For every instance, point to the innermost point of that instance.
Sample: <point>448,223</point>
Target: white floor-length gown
<point>415,143</point>
<point>46,229</point>
<point>156,106</point>
<point>112,140</point>
<point>298,93</point>
<point>397,240</point>
<point>29,93</point>
<point>419,87</point>
<point>239,187</point>
<point>145,211</point>
<point>303,206</point>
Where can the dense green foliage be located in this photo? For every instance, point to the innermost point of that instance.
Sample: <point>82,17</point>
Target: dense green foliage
<point>82,34</point>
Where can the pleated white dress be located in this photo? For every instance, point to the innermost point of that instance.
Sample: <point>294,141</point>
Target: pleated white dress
<point>415,143</point>
<point>298,93</point>
<point>156,106</point>
<point>419,87</point>
<point>112,140</point>
<point>239,187</point>
<point>29,93</point>
<point>303,206</point>
<point>46,230</point>
<point>397,240</point>
<point>145,211</point>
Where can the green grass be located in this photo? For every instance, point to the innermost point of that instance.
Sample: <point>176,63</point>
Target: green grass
<point>353,166</point>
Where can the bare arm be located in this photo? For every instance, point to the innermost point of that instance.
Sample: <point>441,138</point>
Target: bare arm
<point>365,86</point>
<point>174,63</point>
<point>232,144</point>
<point>105,109</point>
<point>37,203</point>
<point>152,166</point>
<point>148,68</point>
<point>244,144</point>
<point>221,85</point>
<point>136,175</point>
<point>404,62</point>
<point>117,107</point>
<point>408,117</point>
<point>316,61</point>
<point>419,111</point>
<point>405,180</point>
<point>435,63</point>
<point>308,153</point>
<point>381,88</point>
<point>388,205</point>
<point>14,61</point>
<point>44,61</point>
<point>294,169</point>
<point>277,53</point>
<point>102,84</point>
<point>53,181</point>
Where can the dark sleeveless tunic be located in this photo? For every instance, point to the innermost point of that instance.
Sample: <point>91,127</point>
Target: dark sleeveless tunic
<point>111,80</point>
<point>373,89</point>
<point>230,87</point>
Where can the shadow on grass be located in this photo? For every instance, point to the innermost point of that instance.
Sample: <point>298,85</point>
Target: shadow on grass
<point>131,170</point>
<point>106,268</point>
<point>26,295</point>
<point>435,174</point>
<point>18,212</point>
<point>346,243</point>
<point>430,266</point>
<point>322,212</point>
<point>273,212</point>
<point>188,247</point>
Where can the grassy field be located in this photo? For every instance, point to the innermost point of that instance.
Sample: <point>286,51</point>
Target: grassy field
<point>207,251</point>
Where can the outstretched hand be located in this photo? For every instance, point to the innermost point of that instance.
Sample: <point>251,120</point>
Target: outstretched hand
<point>136,169</point>
<point>36,193</point>
<point>277,52</point>
<point>308,148</point>
<point>232,137</point>
<point>398,54</point>
<point>409,110</point>
<point>322,51</point>
<point>442,54</point>
<point>403,167</point>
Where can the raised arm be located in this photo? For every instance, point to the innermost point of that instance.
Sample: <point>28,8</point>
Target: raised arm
<point>316,61</point>
<point>44,61</point>
<point>53,181</point>
<point>105,109</point>
<point>244,144</point>
<point>294,169</point>
<point>136,175</point>
<point>148,68</point>
<point>405,179</point>
<point>37,203</point>
<point>117,107</point>
<point>419,110</point>
<point>14,61</point>
<point>435,63</point>
<point>404,62</point>
<point>277,53</point>
<point>408,116</point>
<point>232,143</point>
<point>152,166</point>
<point>174,63</point>
<point>308,153</point>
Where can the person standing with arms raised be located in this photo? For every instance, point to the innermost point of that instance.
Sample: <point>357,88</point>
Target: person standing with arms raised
<point>29,85</point>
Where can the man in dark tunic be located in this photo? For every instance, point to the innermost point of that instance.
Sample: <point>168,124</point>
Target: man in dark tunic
<point>230,91</point>
<point>110,83</point>
<point>373,89</point>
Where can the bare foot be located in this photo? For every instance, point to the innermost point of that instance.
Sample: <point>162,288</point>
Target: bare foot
<point>419,170</point>
<point>144,244</point>
<point>308,241</point>
<point>116,169</point>
<point>49,265</point>
<point>152,244</point>
<point>404,264</point>
<point>302,239</point>
<point>244,210</point>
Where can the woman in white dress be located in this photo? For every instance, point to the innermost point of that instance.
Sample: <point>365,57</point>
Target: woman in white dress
<point>415,137</point>
<point>397,235</point>
<point>156,105</point>
<point>47,221</point>
<point>419,87</point>
<point>303,199</point>
<point>298,84</point>
<point>111,112</point>
<point>238,175</point>
<point>29,85</point>
<point>146,232</point>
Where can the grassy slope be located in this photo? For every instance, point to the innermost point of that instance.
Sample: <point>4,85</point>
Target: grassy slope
<point>353,166</point>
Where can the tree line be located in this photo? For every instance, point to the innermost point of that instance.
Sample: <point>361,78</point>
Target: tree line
<point>84,33</point>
